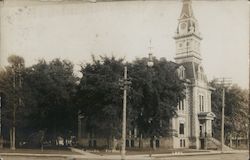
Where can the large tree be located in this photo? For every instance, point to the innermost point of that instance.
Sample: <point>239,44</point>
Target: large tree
<point>11,89</point>
<point>99,97</point>
<point>236,109</point>
<point>39,99</point>
<point>49,98</point>
<point>152,97</point>
<point>155,94</point>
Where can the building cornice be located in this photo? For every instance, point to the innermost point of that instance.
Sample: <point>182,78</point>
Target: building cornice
<point>179,36</point>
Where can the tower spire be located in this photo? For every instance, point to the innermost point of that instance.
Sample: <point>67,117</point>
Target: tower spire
<point>187,10</point>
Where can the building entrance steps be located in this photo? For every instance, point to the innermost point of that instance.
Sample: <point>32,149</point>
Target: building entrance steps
<point>216,144</point>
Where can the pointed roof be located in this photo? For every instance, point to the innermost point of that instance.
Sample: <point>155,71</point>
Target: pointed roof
<point>187,10</point>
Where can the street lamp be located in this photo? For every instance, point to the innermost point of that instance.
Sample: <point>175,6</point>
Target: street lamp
<point>150,60</point>
<point>150,64</point>
<point>225,82</point>
<point>124,84</point>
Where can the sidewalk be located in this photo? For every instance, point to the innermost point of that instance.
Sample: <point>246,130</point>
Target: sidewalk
<point>87,156</point>
<point>198,153</point>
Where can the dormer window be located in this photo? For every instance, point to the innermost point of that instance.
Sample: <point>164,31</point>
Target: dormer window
<point>181,72</point>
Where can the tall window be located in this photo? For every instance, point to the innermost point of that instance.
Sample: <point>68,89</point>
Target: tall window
<point>181,104</point>
<point>181,128</point>
<point>201,103</point>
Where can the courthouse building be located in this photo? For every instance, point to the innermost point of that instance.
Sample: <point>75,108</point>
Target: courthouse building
<point>192,127</point>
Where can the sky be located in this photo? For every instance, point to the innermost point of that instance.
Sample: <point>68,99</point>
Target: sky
<point>76,30</point>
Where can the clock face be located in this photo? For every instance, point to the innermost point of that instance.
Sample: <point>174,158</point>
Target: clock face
<point>183,25</point>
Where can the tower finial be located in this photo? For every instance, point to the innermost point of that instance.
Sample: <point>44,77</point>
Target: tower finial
<point>150,55</point>
<point>150,46</point>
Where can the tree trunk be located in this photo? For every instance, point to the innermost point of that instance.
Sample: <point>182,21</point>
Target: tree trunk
<point>230,141</point>
<point>140,142</point>
<point>14,138</point>
<point>64,141</point>
<point>114,144</point>
<point>11,139</point>
<point>237,142</point>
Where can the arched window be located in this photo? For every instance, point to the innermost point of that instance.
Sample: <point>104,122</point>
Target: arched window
<point>181,72</point>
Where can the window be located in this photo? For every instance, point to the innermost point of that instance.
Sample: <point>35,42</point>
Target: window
<point>151,143</point>
<point>181,72</point>
<point>182,143</point>
<point>132,143</point>
<point>94,143</point>
<point>182,107</point>
<point>157,143</point>
<point>90,143</point>
<point>181,128</point>
<point>181,104</point>
<point>201,103</point>
<point>127,143</point>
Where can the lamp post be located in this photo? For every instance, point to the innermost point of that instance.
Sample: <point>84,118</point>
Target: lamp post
<point>124,84</point>
<point>225,82</point>
<point>150,60</point>
<point>150,64</point>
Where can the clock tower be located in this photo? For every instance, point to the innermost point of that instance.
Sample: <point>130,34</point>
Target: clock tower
<point>193,122</point>
<point>187,36</point>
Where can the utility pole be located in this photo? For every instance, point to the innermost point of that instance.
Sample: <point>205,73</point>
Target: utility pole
<point>222,118</point>
<point>249,109</point>
<point>17,82</point>
<point>1,137</point>
<point>12,131</point>
<point>249,91</point>
<point>124,83</point>
<point>225,82</point>
<point>124,117</point>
